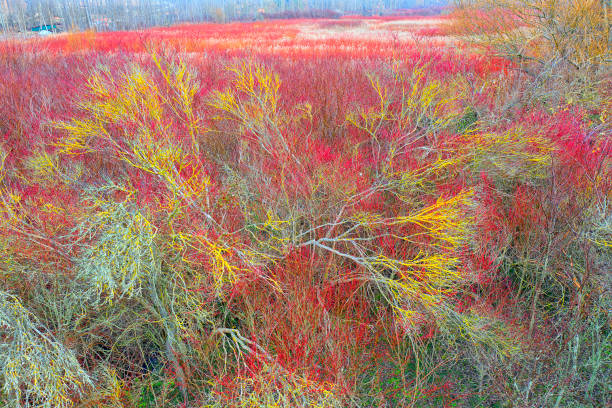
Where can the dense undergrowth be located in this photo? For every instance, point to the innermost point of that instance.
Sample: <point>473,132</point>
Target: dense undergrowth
<point>303,221</point>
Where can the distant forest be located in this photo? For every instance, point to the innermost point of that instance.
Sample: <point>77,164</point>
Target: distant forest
<point>104,15</point>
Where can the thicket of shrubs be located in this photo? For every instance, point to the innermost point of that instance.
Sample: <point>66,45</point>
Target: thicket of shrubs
<point>213,231</point>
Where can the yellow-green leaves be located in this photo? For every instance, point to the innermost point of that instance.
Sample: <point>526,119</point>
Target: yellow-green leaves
<point>511,155</point>
<point>483,330</point>
<point>214,259</point>
<point>36,370</point>
<point>183,89</point>
<point>123,258</point>
<point>252,102</point>
<point>410,106</point>
<point>135,120</point>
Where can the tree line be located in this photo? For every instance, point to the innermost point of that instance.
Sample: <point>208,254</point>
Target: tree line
<point>25,15</point>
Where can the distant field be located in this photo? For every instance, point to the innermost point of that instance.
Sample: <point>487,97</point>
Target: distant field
<point>334,36</point>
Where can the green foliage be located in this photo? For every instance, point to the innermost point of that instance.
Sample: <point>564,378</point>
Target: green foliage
<point>467,121</point>
<point>158,391</point>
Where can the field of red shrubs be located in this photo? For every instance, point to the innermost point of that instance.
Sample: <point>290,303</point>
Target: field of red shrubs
<point>297,213</point>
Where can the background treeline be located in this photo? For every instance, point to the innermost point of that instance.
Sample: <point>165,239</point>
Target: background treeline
<point>23,15</point>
